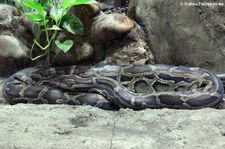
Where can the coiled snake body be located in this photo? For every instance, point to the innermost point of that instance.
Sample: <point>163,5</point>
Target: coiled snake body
<point>114,87</point>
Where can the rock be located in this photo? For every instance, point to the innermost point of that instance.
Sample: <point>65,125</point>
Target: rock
<point>109,39</point>
<point>115,3</point>
<point>130,49</point>
<point>115,39</point>
<point>2,99</point>
<point>12,47</point>
<point>183,35</point>
<point>84,52</point>
<point>107,9</point>
<point>78,53</point>
<point>111,26</point>
<point>15,40</point>
<point>118,40</point>
<point>86,13</point>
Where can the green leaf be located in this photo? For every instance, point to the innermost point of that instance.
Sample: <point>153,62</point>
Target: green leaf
<point>44,22</point>
<point>72,24</point>
<point>57,13</point>
<point>65,46</point>
<point>36,6</point>
<point>69,3</point>
<point>46,3</point>
<point>34,17</point>
<point>54,27</point>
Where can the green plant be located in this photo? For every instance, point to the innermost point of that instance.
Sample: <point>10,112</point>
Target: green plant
<point>49,17</point>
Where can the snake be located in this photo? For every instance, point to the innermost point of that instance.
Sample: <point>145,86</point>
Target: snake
<point>112,87</point>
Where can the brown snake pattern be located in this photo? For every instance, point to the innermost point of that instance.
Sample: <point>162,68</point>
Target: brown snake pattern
<point>114,87</point>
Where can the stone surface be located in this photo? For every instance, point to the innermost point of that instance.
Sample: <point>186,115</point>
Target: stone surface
<point>183,35</point>
<point>115,3</point>
<point>130,49</point>
<point>114,38</point>
<point>61,126</point>
<point>110,27</point>
<point>15,40</point>
<point>2,100</point>
<point>118,40</point>
<point>114,6</point>
<point>16,35</point>
<point>79,53</point>
<point>109,39</point>
<point>86,13</point>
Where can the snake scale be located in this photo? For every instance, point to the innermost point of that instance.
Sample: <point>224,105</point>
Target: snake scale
<point>113,87</point>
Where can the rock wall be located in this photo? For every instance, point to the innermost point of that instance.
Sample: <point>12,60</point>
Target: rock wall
<point>183,35</point>
<point>15,40</point>
<point>116,3</point>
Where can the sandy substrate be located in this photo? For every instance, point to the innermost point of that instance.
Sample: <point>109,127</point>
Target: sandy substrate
<point>27,126</point>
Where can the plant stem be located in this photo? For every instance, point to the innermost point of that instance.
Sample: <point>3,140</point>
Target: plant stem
<point>37,57</point>
<point>46,31</point>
